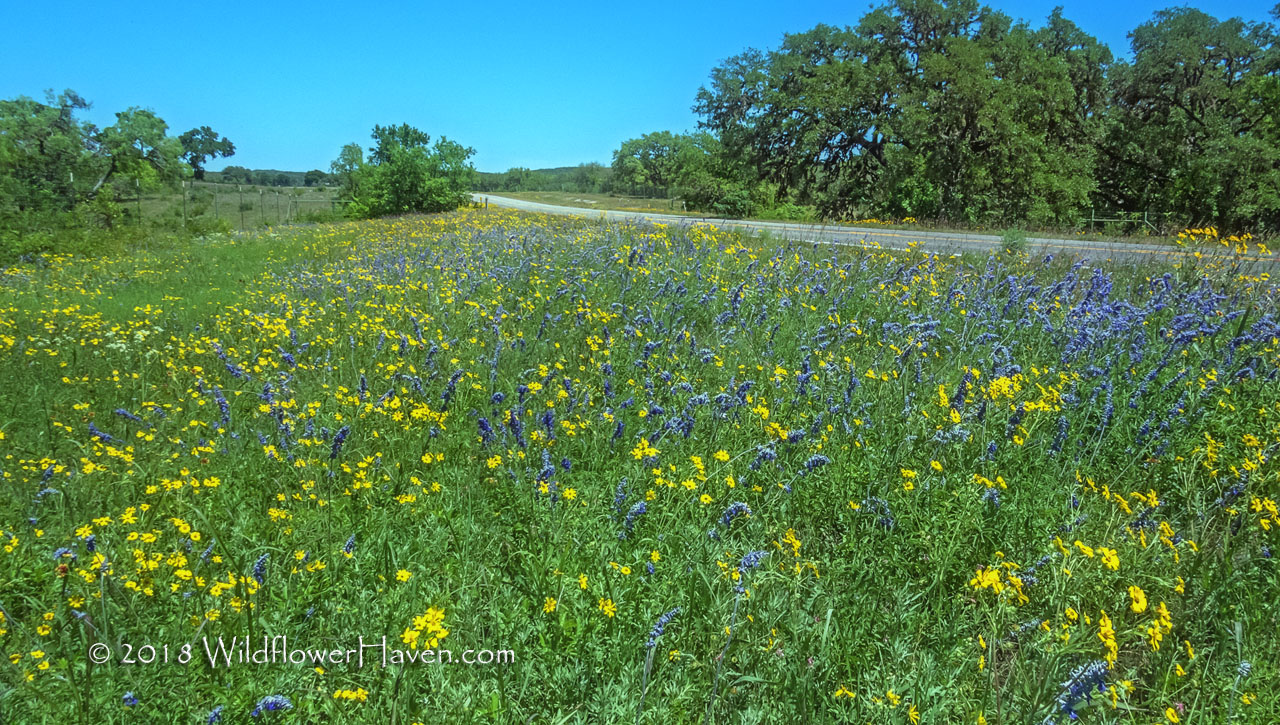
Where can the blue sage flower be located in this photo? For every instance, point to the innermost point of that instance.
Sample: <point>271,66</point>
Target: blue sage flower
<point>734,510</point>
<point>817,460</point>
<point>749,562</point>
<point>1082,683</point>
<point>104,437</point>
<point>338,440</point>
<point>638,509</point>
<point>271,703</point>
<point>659,627</point>
<point>260,568</point>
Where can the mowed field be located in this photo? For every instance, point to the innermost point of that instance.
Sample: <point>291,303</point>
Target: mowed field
<point>678,474</point>
<point>1130,230</point>
<point>600,201</point>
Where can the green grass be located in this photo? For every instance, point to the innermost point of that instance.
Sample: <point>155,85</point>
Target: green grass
<point>206,201</point>
<point>956,471</point>
<point>161,219</point>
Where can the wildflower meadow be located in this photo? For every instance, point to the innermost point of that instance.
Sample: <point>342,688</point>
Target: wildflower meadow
<point>657,473</point>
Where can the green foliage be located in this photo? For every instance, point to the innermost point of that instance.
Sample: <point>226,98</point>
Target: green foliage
<point>201,144</point>
<point>235,175</point>
<point>266,177</point>
<point>707,192</point>
<point>1013,241</point>
<point>404,174</point>
<point>319,216</point>
<point>59,176</point>
<point>45,159</point>
<point>789,212</point>
<point>655,161</point>
<point>517,178</point>
<point>949,110</point>
<point>140,152</point>
<point>589,178</point>
<point>103,210</point>
<point>1195,127</point>
<point>735,204</point>
<point>946,110</point>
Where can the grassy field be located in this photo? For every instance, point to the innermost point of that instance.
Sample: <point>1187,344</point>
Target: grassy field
<point>242,207</point>
<point>678,475</point>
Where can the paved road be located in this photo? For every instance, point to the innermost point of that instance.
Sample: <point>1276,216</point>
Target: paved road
<point>941,242</point>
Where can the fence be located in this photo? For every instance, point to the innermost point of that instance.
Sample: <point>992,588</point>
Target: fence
<point>242,206</point>
<point>1129,222</point>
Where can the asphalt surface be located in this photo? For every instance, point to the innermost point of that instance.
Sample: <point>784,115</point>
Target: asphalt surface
<point>939,242</point>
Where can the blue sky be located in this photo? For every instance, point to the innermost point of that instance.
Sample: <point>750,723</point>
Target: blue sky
<point>524,84</point>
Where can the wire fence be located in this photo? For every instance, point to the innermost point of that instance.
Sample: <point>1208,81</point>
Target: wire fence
<point>248,206</point>
<point>241,206</point>
<point>1129,223</point>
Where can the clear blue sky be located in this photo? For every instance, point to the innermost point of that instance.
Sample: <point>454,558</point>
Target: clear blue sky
<point>523,83</point>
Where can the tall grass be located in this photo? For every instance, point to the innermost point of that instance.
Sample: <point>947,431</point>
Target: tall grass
<point>877,487</point>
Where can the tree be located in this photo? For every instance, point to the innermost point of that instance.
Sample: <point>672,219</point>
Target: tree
<point>201,144</point>
<point>1195,125</point>
<point>589,178</point>
<point>53,165</point>
<point>315,177</point>
<point>236,175</point>
<point>404,174</point>
<point>518,178</point>
<point>46,159</point>
<point>654,160</point>
<point>940,108</point>
<point>138,149</point>
<point>350,160</point>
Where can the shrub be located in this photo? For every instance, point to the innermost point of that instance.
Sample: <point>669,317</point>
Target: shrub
<point>403,175</point>
<point>1013,241</point>
<point>735,204</point>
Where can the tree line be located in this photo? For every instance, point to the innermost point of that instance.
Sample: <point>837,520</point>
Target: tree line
<point>269,177</point>
<point>949,110</point>
<point>589,178</point>
<point>62,179</point>
<point>59,172</point>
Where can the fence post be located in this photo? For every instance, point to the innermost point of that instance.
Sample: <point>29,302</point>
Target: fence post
<point>137,189</point>
<point>240,191</point>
